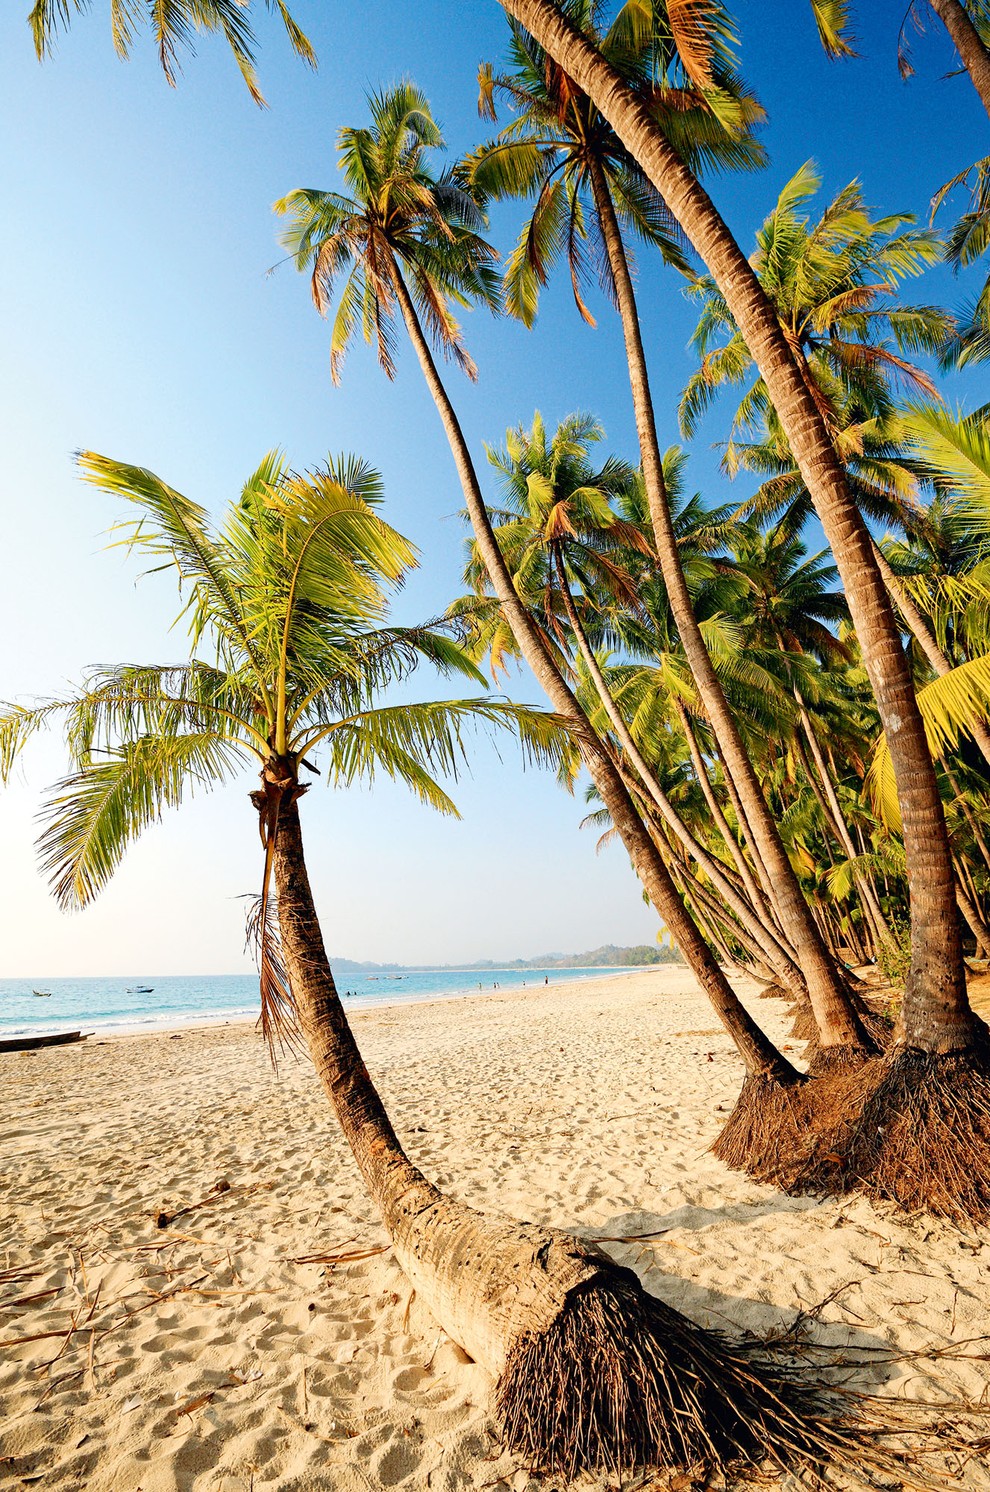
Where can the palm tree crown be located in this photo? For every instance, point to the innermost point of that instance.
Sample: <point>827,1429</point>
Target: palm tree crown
<point>289,654</point>
<point>833,285</point>
<point>398,214</point>
<point>558,140</point>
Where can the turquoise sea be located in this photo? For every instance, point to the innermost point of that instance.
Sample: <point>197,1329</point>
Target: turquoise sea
<point>111,1004</point>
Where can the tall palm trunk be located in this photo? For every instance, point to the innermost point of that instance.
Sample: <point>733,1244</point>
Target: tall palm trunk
<point>967,812</point>
<point>970,909</point>
<point>936,1013</point>
<point>831,828</point>
<point>714,910</point>
<point>466,1267</point>
<point>837,1022</point>
<point>750,839</point>
<point>786,969</point>
<point>760,1057</point>
<point>974,55</point>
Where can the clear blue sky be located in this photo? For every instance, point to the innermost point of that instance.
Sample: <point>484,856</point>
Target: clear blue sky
<point>139,321</point>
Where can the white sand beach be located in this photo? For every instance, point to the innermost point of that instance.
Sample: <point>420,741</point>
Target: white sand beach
<point>218,1355</point>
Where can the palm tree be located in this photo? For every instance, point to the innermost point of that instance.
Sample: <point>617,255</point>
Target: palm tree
<point>561,149</point>
<point>833,284</point>
<point>286,605</point>
<point>403,224</point>
<point>968,24</point>
<point>966,243</point>
<point>937,1019</point>
<point>174,24</point>
<point>793,610</point>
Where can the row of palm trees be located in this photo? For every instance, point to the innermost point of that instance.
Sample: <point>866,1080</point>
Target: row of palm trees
<point>701,668</point>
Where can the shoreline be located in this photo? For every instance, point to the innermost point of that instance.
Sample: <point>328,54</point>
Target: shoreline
<point>171,1022</point>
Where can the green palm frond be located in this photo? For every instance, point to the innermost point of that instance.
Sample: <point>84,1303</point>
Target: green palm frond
<point>92,816</point>
<point>414,743</point>
<point>398,222</point>
<point>289,594</point>
<point>953,452</point>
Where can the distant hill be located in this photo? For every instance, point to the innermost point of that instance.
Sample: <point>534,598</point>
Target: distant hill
<point>609,956</point>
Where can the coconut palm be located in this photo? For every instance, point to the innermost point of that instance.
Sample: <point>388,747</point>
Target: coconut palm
<point>791,607</point>
<point>561,150</point>
<point>968,24</point>
<point>286,605</point>
<point>966,243</point>
<point>174,25</point>
<point>938,1020</point>
<point>406,242</point>
<point>833,284</point>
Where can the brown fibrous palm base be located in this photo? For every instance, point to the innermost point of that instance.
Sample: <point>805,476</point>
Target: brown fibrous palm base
<point>910,1128</point>
<point>761,1133</point>
<point>620,1380</point>
<point>873,1018</point>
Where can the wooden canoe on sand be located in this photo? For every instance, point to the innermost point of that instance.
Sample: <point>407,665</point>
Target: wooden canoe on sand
<point>31,1043</point>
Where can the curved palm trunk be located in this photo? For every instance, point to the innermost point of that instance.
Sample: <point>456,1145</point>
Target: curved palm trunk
<point>750,839</point>
<point>970,910</point>
<point>715,912</point>
<point>974,55</point>
<point>967,812</point>
<point>937,1017</point>
<point>759,1055</point>
<point>832,827</point>
<point>837,1022</point>
<point>786,970</point>
<point>466,1267</point>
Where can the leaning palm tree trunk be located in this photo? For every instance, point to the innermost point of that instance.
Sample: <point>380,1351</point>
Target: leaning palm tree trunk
<point>969,907</point>
<point>834,816</point>
<point>841,1035</point>
<point>590,1371</point>
<point>746,874</point>
<point>786,970</point>
<point>926,641</point>
<point>750,840</point>
<point>762,1117</point>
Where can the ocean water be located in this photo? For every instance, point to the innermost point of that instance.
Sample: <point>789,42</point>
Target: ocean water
<point>109,1004</point>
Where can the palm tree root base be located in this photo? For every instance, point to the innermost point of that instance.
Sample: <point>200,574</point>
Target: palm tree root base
<point>620,1380</point>
<point>912,1129</point>
<point>826,1061</point>
<point>876,1026</point>
<point>776,992</point>
<point>763,1130</point>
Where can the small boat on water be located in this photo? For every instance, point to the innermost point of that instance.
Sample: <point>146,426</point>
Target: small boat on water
<point>142,989</point>
<point>32,1043</point>
<point>43,994</point>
